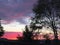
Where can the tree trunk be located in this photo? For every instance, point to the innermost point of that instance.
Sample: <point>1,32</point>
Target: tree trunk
<point>55,33</point>
<point>54,30</point>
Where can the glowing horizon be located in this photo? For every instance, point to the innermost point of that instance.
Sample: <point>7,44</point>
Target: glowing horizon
<point>13,27</point>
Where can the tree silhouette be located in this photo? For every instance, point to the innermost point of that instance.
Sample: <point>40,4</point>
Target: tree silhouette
<point>47,13</point>
<point>27,34</point>
<point>19,37</point>
<point>1,29</point>
<point>1,33</point>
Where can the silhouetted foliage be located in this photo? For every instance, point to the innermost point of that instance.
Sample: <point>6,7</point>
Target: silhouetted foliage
<point>2,33</point>
<point>47,13</point>
<point>19,37</point>
<point>1,29</point>
<point>27,34</point>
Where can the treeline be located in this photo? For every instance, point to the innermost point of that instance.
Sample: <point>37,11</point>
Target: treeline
<point>28,42</point>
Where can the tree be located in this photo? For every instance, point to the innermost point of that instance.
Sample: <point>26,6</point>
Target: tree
<point>1,29</point>
<point>47,12</point>
<point>27,34</point>
<point>19,37</point>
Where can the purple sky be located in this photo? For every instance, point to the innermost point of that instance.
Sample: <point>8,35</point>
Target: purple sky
<point>16,10</point>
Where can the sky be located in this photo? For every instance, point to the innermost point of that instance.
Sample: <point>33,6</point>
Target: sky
<point>15,14</point>
<point>12,35</point>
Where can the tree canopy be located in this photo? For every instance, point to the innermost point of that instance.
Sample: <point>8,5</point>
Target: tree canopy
<point>47,12</point>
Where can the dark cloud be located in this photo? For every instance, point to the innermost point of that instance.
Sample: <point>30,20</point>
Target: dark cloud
<point>3,16</point>
<point>16,9</point>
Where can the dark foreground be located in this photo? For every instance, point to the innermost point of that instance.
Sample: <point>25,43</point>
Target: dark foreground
<point>29,42</point>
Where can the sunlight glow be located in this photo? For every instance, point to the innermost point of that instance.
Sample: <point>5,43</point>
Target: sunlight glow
<point>13,27</point>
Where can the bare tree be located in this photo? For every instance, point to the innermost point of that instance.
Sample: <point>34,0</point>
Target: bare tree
<point>47,13</point>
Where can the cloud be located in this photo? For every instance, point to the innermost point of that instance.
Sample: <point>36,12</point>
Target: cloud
<point>15,14</point>
<point>15,9</point>
<point>14,27</point>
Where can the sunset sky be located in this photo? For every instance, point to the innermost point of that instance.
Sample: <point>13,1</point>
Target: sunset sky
<point>15,14</point>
